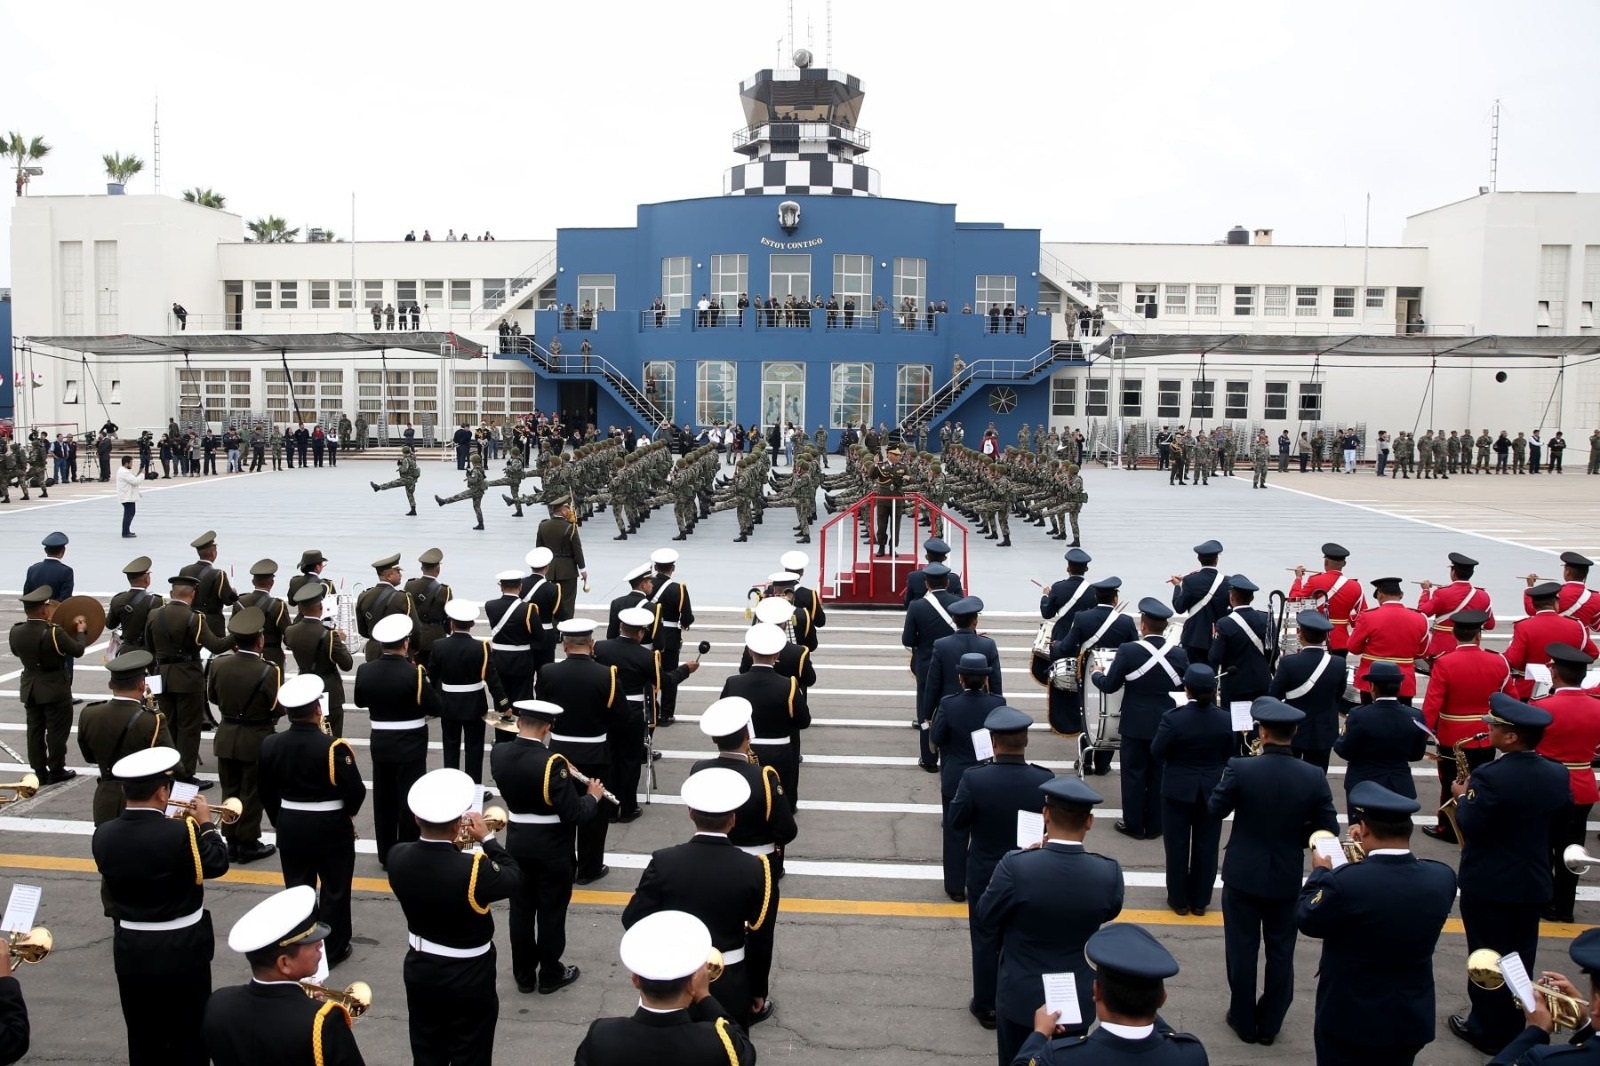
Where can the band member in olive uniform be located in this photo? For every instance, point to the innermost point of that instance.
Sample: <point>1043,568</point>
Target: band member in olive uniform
<point>312,790</point>
<point>1193,743</point>
<point>1381,739</point>
<point>558,534</point>
<point>174,634</point>
<point>428,598</point>
<point>927,620</point>
<point>545,804</point>
<point>381,601</point>
<point>1506,811</point>
<point>548,599</point>
<point>1312,680</point>
<point>399,699</point>
<point>1130,967</point>
<point>446,894</point>
<point>122,725</point>
<point>515,627</point>
<point>727,889</point>
<point>1147,671</point>
<point>154,870</point>
<point>591,697</point>
<point>312,563</point>
<point>46,651</point>
<point>1203,595</point>
<point>805,599</point>
<point>1039,928</point>
<point>213,590</point>
<point>1442,602</point>
<point>274,612</point>
<point>779,710</point>
<point>1531,1047</point>
<point>669,598</point>
<point>128,610</point>
<point>1390,632</point>
<point>320,649</point>
<point>1276,801</point>
<point>271,1021</point>
<point>955,721</point>
<point>678,1021</point>
<point>1459,686</point>
<point>1570,739</point>
<point>469,688</point>
<point>244,686</point>
<point>1338,595</point>
<point>640,677</point>
<point>1379,921</point>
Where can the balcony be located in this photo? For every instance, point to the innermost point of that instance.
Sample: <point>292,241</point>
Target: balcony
<point>790,136</point>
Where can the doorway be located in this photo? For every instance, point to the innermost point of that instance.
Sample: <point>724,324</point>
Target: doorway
<point>577,402</point>
<point>783,394</point>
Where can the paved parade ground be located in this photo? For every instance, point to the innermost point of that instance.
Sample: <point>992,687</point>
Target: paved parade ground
<point>872,958</point>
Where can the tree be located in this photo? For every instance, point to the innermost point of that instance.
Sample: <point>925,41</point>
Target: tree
<point>23,152</point>
<point>272,230</point>
<point>205,197</point>
<point>119,168</point>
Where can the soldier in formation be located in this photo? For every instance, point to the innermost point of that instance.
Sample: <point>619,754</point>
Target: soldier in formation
<point>1260,457</point>
<point>512,476</point>
<point>408,474</point>
<point>474,491</point>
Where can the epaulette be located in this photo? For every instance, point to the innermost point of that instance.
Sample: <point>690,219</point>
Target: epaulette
<point>1186,1038</point>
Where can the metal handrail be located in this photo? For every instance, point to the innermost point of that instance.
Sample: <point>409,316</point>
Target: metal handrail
<point>914,505</point>
<point>1052,267</point>
<point>514,288</point>
<point>593,365</point>
<point>859,138</point>
<point>988,370</point>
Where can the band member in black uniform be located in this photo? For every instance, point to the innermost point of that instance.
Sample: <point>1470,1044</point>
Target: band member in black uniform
<point>1239,649</point>
<point>154,870</point>
<point>669,598</point>
<point>429,596</point>
<point>1506,810</point>
<point>312,790</point>
<point>14,1029</point>
<point>640,677</point>
<point>1041,929</point>
<point>1381,739</point>
<point>274,612</point>
<point>638,595</point>
<point>591,697</point>
<point>469,688</point>
<point>213,590</point>
<point>318,648</point>
<point>934,550</point>
<point>545,803</point>
<point>1276,801</point>
<point>399,699</point>
<point>716,882</point>
<point>779,710</point>
<point>244,686</point>
<point>271,1021</point>
<point>1192,745</point>
<point>794,660</point>
<point>781,586</point>
<point>46,651</point>
<point>1203,595</point>
<point>550,604</point>
<point>312,563</point>
<point>678,1022</point>
<point>122,725</point>
<point>1130,967</point>
<point>383,599</point>
<point>1312,680</point>
<point>927,620</point>
<point>1060,605</point>
<point>1147,671</point>
<point>1099,626</point>
<point>446,895</point>
<point>1379,921</point>
<point>128,610</point>
<point>514,628</point>
<point>985,807</point>
<point>805,599</point>
<point>955,721</point>
<point>1531,1047</point>
<point>174,633</point>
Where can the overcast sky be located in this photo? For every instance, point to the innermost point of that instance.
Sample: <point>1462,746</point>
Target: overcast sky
<point>1151,122</point>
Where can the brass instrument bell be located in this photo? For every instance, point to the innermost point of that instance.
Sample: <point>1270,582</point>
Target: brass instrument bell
<point>1577,860</point>
<point>714,965</point>
<point>21,789</point>
<point>1483,970</point>
<point>1354,850</point>
<point>357,999</point>
<point>31,947</point>
<point>227,812</point>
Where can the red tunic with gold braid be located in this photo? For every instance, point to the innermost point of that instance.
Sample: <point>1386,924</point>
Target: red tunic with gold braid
<point>1341,607</point>
<point>1442,601</point>
<point>1390,632</point>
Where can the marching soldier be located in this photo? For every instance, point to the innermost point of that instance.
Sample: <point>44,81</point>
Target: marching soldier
<point>718,883</point>
<point>955,721</point>
<point>514,628</point>
<point>46,651</point>
<point>1442,602</point>
<point>591,699</point>
<point>312,563</point>
<point>320,649</point>
<point>1192,744</point>
<point>1381,739</point>
<point>213,590</point>
<point>274,612</point>
<point>154,871</point>
<point>469,688</point>
<point>1099,626</point>
<point>1379,921</point>
<point>934,550</point>
<point>779,710</point>
<point>1239,649</point>
<point>400,701</point>
<point>1533,635</point>
<point>1147,671</point>
<point>1459,687</point>
<point>311,789</point>
<point>175,633</point>
<point>545,803</point>
<point>674,615</point>
<point>271,1021</point>
<point>122,725</point>
<point>559,535</point>
<point>639,675</point>
<point>1576,599</point>
<point>380,601</point>
<point>428,597</point>
<point>447,895</point>
<point>1312,680</point>
<point>1202,594</point>
<point>407,476</point>
<point>130,608</point>
<point>244,686</point>
<point>548,600</point>
<point>1571,740</point>
<point>1391,632</point>
<point>1339,594</point>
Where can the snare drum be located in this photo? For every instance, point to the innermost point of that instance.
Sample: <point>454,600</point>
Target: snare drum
<point>1064,674</point>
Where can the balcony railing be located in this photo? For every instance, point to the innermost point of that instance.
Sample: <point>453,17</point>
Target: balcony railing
<point>780,132</point>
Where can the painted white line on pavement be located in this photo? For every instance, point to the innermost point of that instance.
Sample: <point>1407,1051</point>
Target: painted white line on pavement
<point>1414,518</point>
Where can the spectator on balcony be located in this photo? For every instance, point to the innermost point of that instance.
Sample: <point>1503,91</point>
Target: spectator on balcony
<point>880,304</point>
<point>1099,319</point>
<point>1008,314</point>
<point>1022,318</point>
<point>849,312</point>
<point>388,314</point>
<point>716,310</point>
<point>659,309</point>
<point>931,311</point>
<point>702,312</point>
<point>180,313</point>
<point>586,316</point>
<point>744,305</point>
<point>416,316</point>
<point>833,312</point>
<point>555,355</point>
<point>377,316</point>
<point>966,309</point>
<point>450,236</point>
<point>411,235</point>
<point>585,350</point>
<point>994,318</point>
<point>427,236</point>
<point>566,318</point>
<point>505,336</point>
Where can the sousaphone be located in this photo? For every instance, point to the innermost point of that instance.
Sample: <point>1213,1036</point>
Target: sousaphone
<point>63,613</point>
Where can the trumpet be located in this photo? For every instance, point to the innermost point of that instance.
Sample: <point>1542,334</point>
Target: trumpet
<point>227,812</point>
<point>1577,860</point>
<point>1483,970</point>
<point>714,965</point>
<point>1354,850</point>
<point>20,790</point>
<point>495,818</point>
<point>356,1000</point>
<point>31,947</point>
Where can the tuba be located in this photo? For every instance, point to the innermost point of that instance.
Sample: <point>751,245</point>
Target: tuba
<point>1354,850</point>
<point>31,947</point>
<point>1483,970</point>
<point>1463,771</point>
<point>356,1000</point>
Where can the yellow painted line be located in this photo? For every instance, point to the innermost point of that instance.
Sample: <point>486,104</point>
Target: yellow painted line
<point>789,905</point>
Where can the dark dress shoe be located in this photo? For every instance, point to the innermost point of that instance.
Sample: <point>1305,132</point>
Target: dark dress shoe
<point>1266,1039</point>
<point>1122,827</point>
<point>631,816</point>
<point>930,767</point>
<point>1553,916</point>
<point>1458,1026</point>
<point>1182,912</point>
<point>1248,1038</point>
<point>589,879</point>
<point>1152,834</point>
<point>655,756</point>
<point>569,974</point>
<point>1434,832</point>
<point>255,851</point>
<point>957,895</point>
<point>340,956</point>
<point>60,776</point>
<point>985,1017</point>
<point>766,1011</point>
<point>527,990</point>
<point>1198,912</point>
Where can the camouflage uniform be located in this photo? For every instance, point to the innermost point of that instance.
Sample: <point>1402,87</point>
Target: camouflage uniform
<point>820,439</point>
<point>409,473</point>
<point>1452,453</point>
<point>1038,439</point>
<point>361,433</point>
<point>1260,457</point>
<point>474,490</point>
<point>512,475</point>
<point>1022,438</point>
<point>1519,454</point>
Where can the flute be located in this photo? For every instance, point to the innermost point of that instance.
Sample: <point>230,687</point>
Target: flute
<point>583,779</point>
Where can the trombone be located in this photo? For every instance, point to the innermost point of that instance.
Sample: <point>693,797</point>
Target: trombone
<point>1577,860</point>
<point>1354,850</point>
<point>30,947</point>
<point>356,1000</point>
<point>1566,1012</point>
<point>227,812</point>
<point>20,790</point>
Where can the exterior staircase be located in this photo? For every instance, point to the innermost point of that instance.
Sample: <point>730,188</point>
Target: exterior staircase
<point>984,372</point>
<point>596,368</point>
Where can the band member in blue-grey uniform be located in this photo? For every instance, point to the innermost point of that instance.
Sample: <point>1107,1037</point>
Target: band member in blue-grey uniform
<point>1382,738</point>
<point>1239,648</point>
<point>1277,802</point>
<point>1130,967</point>
<point>1147,671</point>
<point>1312,680</point>
<point>927,620</point>
<point>1531,1048</point>
<point>954,722</point>
<point>985,807</point>
<point>1100,626</point>
<point>1041,906</point>
<point>1060,605</point>
<point>1203,595</point>
<point>934,550</point>
<point>946,658</point>
<point>1379,921</point>
<point>1192,745</point>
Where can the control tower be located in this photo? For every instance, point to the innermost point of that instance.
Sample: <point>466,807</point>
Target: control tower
<point>800,135</point>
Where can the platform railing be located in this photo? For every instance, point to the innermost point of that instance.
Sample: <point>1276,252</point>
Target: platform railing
<point>850,538</point>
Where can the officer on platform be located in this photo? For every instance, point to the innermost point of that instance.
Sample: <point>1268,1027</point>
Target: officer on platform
<point>1192,745</point>
<point>122,725</point>
<point>1312,680</point>
<point>1530,1047</point>
<point>399,699</point>
<point>1148,671</point>
<point>591,697</point>
<point>955,721</point>
<point>320,649</point>
<point>244,686</point>
<point>778,707</point>
<point>887,478</point>
<point>934,550</point>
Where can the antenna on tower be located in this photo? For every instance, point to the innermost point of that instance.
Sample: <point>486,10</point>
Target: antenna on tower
<point>155,155</point>
<point>791,27</point>
<point>828,40</point>
<point>1494,147</point>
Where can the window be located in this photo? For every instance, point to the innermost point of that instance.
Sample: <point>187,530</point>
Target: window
<point>852,279</point>
<point>105,286</point>
<point>1202,394</point>
<point>1177,300</point>
<point>1132,397</point>
<point>1244,299</point>
<point>371,294</point>
<point>1275,300</point>
<point>913,385</point>
<point>1305,301</point>
<point>263,300</point>
<point>460,295</point>
<point>1109,294</point>
<point>715,391</point>
<point>390,399</point>
<point>405,293</point>
<point>289,295</point>
<point>599,291</point>
<point>1050,301</point>
<point>910,279</point>
<point>214,395</point>
<point>492,395</point>
<point>69,393</point>
<point>1586,315</point>
<point>321,293</point>
<point>995,290</point>
<point>1169,398</point>
<point>1344,302</point>
<point>433,293</point>
<point>660,385</point>
<point>1236,399</point>
<point>1554,267</point>
<point>1277,402</point>
<point>1063,397</point>
<point>788,275</point>
<point>72,286</point>
<point>1205,299</point>
<point>115,394</point>
<point>1310,401</point>
<point>318,394</point>
<point>1375,299</point>
<point>783,394</point>
<point>1097,397</point>
<point>346,295</point>
<point>850,395</point>
<point>730,279</point>
<point>1144,301</point>
<point>675,280</point>
<point>494,293</point>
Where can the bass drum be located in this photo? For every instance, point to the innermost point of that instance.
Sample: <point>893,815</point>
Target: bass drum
<point>1105,728</point>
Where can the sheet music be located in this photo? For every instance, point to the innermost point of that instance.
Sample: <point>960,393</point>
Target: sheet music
<point>21,909</point>
<point>1061,994</point>
<point>1030,828</point>
<point>153,683</point>
<point>321,976</point>
<point>1239,712</point>
<point>982,745</point>
<point>1516,975</point>
<point>1539,674</point>
<point>182,793</point>
<point>477,798</point>
<point>1420,724</point>
<point>1330,848</point>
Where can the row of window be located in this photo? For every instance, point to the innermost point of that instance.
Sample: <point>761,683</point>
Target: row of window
<point>337,295</point>
<point>1168,399</point>
<point>1301,301</point>
<point>783,392</point>
<point>789,274</point>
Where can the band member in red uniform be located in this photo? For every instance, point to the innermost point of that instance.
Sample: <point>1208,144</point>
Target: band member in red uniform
<point>1340,594</point>
<point>1570,739</point>
<point>1390,632</point>
<point>1543,627</point>
<point>1442,602</point>
<point>1577,600</point>
<point>1459,688</point>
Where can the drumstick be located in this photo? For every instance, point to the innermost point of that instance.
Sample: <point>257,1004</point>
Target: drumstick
<point>1035,583</point>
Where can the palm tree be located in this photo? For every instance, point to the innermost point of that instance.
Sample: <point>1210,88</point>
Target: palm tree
<point>23,152</point>
<point>205,197</point>
<point>119,168</point>
<point>272,230</point>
